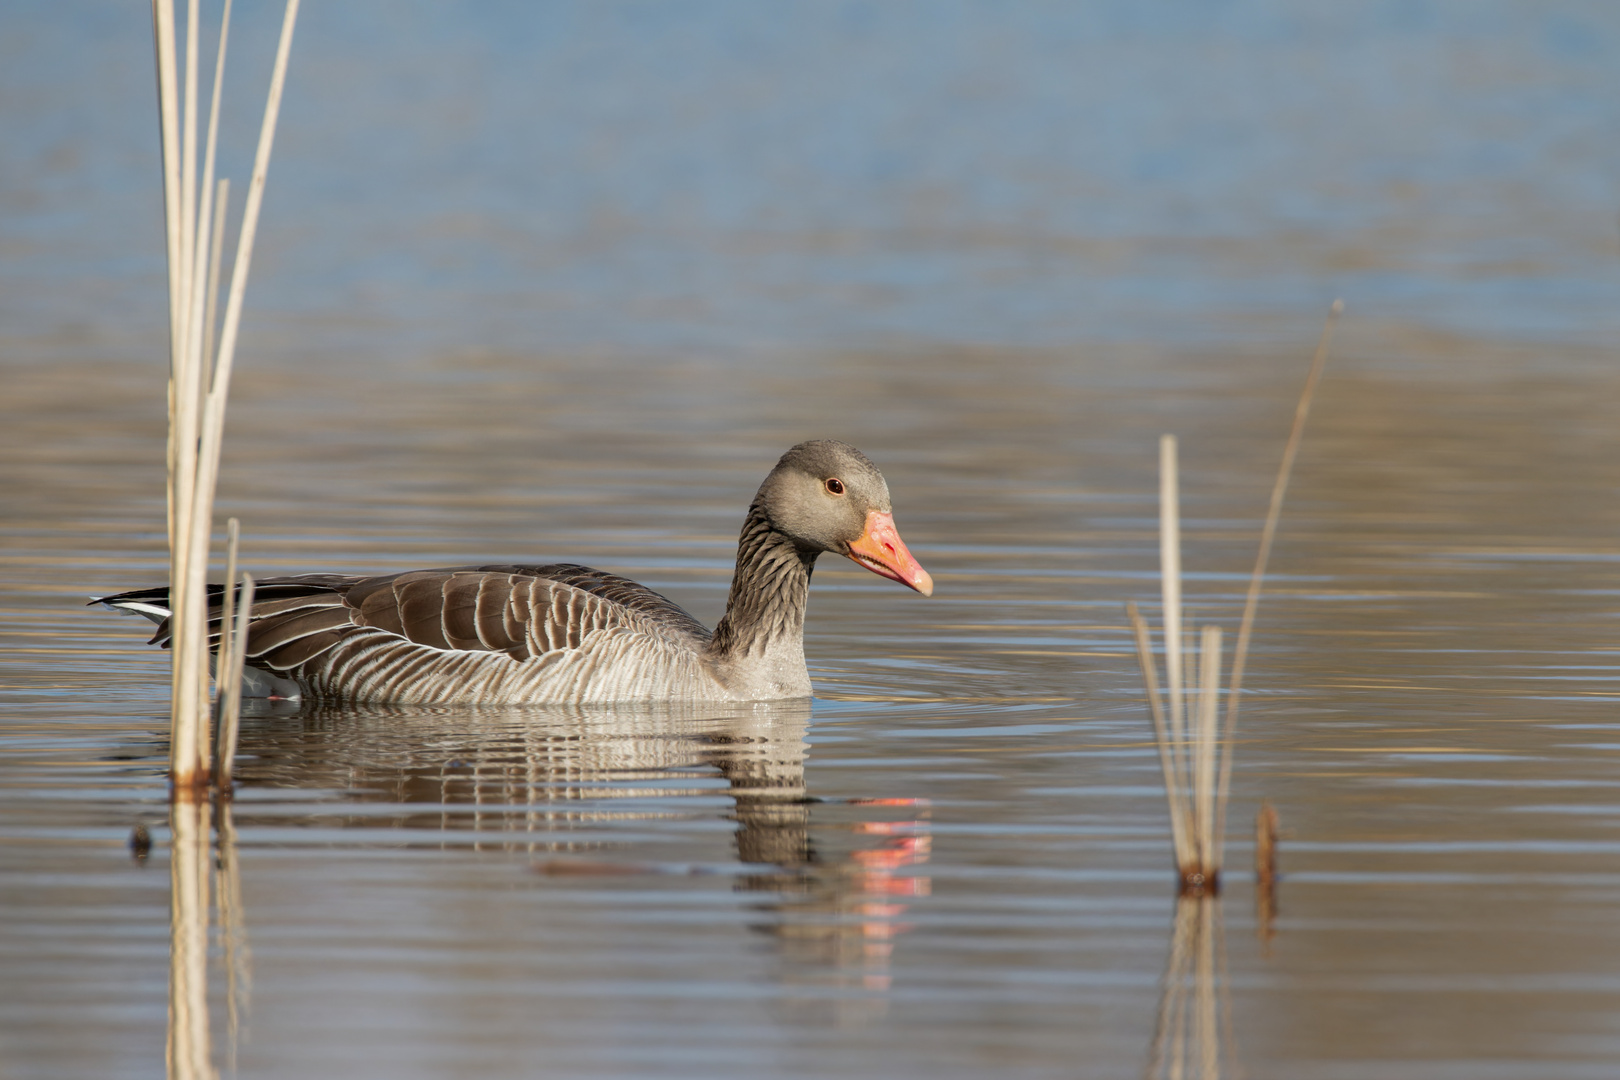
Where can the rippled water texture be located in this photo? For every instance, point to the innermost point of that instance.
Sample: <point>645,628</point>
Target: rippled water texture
<point>559,282</point>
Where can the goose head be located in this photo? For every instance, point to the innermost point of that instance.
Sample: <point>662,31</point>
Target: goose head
<point>825,495</point>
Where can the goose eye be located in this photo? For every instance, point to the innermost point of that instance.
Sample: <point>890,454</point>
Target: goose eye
<point>835,485</point>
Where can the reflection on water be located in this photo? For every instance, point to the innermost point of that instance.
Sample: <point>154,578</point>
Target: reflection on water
<point>203,861</point>
<point>558,282</point>
<point>190,1052</point>
<point>1432,703</point>
<point>1432,707</point>
<point>833,879</point>
<point>831,897</point>
<point>1194,1014</point>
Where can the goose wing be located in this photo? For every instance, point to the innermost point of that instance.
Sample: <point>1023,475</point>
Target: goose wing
<point>525,612</point>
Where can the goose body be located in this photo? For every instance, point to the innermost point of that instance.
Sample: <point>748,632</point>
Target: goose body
<point>567,634</point>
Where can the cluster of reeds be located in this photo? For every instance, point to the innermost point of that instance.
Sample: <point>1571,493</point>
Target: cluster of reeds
<point>1195,748</point>
<point>200,364</point>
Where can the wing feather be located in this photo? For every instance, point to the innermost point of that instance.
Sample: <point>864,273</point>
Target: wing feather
<point>409,636</point>
<point>494,597</point>
<point>459,619</point>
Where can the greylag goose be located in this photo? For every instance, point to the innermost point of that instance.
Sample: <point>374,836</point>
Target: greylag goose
<point>565,634</point>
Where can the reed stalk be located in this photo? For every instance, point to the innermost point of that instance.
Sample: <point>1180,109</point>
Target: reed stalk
<point>232,656</point>
<point>1206,747</point>
<point>1251,603</point>
<point>199,376</point>
<point>1170,579</point>
<point>1167,765</point>
<point>231,665</point>
<point>1188,744</point>
<point>233,541</point>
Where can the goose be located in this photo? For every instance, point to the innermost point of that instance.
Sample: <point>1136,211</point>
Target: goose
<point>567,634</point>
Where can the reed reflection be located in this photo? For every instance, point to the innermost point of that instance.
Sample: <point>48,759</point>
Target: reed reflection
<point>190,1056</point>
<point>193,875</point>
<point>571,787</point>
<point>1194,1011</point>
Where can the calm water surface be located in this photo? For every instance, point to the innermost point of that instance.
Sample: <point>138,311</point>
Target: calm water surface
<point>590,344</point>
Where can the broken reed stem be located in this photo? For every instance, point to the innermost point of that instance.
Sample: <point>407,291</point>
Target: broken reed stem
<point>230,713</point>
<point>198,388</point>
<point>233,538</point>
<point>1172,787</point>
<point>227,666</point>
<point>1265,846</point>
<point>1205,747</point>
<point>1265,871</point>
<point>1240,654</point>
<point>221,197</point>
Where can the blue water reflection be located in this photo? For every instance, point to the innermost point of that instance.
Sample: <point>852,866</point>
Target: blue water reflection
<point>741,178</point>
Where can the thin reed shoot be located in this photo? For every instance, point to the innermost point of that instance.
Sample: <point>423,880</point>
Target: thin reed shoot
<point>230,706</point>
<point>231,659</point>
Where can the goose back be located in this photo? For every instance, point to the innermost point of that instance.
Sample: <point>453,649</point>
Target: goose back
<point>505,634</point>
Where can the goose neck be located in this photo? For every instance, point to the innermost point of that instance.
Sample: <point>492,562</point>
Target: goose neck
<point>765,611</point>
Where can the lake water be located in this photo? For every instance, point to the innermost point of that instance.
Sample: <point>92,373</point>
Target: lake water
<point>560,282</point>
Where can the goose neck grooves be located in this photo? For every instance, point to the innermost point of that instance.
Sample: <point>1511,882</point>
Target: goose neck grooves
<point>768,594</point>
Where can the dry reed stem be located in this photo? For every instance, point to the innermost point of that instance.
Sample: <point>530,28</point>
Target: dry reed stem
<point>233,540</point>
<point>188,171</point>
<point>1187,744</point>
<point>221,198</point>
<point>1172,788</point>
<point>207,222</point>
<point>1170,578</point>
<point>1204,751</point>
<point>1267,535</point>
<point>169,129</point>
<point>214,416</point>
<point>198,389</point>
<point>187,746</point>
<point>193,550</point>
<point>215,419</point>
<point>230,713</point>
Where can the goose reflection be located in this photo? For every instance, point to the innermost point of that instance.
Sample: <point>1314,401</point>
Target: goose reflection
<point>575,788</point>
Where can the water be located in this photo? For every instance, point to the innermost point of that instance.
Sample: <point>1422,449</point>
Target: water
<point>562,282</point>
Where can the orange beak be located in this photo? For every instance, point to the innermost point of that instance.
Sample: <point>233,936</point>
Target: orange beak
<point>881,551</point>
